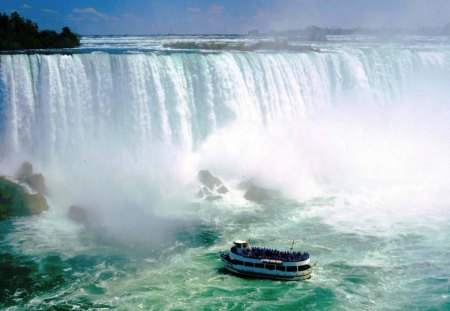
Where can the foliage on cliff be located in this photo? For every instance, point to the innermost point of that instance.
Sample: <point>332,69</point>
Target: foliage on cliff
<point>18,33</point>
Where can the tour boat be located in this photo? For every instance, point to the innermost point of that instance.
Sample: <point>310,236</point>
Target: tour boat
<point>261,262</point>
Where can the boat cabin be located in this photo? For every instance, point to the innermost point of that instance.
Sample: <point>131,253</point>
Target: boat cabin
<point>266,262</point>
<point>241,247</point>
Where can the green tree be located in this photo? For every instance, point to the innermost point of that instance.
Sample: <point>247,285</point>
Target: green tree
<point>19,33</point>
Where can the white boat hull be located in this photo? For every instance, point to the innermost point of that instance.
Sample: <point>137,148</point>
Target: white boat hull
<point>265,273</point>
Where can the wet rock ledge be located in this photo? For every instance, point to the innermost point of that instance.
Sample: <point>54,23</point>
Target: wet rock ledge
<point>23,197</point>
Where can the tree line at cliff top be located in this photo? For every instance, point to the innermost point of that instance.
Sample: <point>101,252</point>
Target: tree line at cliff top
<point>18,33</point>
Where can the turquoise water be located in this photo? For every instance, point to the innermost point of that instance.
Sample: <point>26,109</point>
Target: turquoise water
<point>355,138</point>
<point>67,266</point>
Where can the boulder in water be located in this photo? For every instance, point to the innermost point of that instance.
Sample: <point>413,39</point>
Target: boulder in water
<point>257,194</point>
<point>211,187</point>
<point>78,214</point>
<point>222,189</point>
<point>16,201</point>
<point>207,179</point>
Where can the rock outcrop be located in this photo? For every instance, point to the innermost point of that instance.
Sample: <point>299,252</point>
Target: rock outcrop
<point>16,201</point>
<point>78,214</point>
<point>87,215</point>
<point>207,179</point>
<point>222,189</point>
<point>35,181</point>
<point>211,187</point>
<point>257,194</point>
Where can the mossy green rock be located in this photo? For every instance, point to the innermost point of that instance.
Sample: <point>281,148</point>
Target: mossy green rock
<point>15,201</point>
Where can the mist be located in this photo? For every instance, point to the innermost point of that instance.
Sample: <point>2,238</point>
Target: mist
<point>353,14</point>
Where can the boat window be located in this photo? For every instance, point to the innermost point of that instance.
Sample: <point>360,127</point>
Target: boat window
<point>291,268</point>
<point>238,262</point>
<point>304,267</point>
<point>249,264</point>
<point>270,267</point>
<point>281,268</point>
<point>259,265</point>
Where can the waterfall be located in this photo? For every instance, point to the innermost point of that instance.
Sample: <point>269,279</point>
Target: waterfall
<point>52,106</point>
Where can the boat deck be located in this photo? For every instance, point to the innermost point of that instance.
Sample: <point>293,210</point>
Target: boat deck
<point>272,254</point>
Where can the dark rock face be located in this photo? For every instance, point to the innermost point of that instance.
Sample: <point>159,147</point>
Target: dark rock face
<point>15,201</point>
<point>206,178</point>
<point>257,194</point>
<point>35,181</point>
<point>211,187</point>
<point>222,189</point>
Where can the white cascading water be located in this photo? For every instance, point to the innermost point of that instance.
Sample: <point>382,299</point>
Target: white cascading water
<point>55,104</point>
<point>298,121</point>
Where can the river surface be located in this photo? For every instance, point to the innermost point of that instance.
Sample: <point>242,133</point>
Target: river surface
<point>353,134</point>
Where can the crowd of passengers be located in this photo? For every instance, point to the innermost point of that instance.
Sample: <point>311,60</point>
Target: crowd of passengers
<point>273,254</point>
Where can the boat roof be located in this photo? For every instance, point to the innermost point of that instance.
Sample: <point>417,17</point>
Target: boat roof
<point>240,242</point>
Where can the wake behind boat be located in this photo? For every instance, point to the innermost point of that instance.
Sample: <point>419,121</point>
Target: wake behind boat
<point>261,262</point>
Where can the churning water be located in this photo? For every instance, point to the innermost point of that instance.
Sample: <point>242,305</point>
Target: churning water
<point>355,135</point>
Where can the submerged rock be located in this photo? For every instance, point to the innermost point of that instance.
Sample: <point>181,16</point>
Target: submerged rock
<point>16,201</point>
